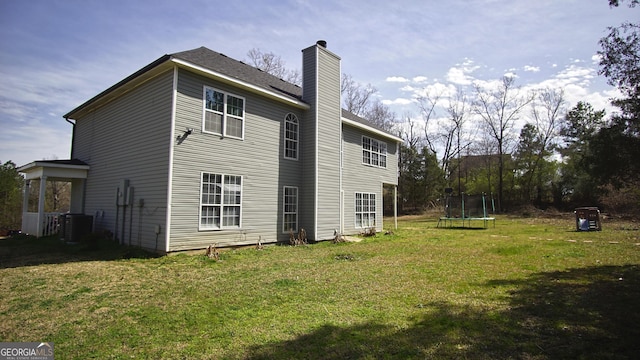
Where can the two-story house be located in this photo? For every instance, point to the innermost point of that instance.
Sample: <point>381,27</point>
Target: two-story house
<point>197,148</point>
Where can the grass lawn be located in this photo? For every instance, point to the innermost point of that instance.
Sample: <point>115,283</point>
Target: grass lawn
<point>530,288</point>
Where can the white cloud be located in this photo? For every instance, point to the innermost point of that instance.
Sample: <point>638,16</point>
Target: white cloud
<point>398,101</point>
<point>408,88</point>
<point>531,68</point>
<point>575,72</point>
<point>460,74</point>
<point>398,79</point>
<point>511,74</point>
<point>457,76</point>
<point>420,79</point>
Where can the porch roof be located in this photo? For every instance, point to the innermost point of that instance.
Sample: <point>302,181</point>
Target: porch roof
<point>55,169</point>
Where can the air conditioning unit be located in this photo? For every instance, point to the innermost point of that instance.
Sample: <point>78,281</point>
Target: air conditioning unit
<point>74,227</point>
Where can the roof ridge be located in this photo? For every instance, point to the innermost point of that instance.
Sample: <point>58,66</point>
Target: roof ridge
<point>188,53</point>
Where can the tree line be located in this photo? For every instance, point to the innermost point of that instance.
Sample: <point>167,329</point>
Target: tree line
<point>561,157</point>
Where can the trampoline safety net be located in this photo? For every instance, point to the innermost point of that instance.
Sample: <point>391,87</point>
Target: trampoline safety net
<point>469,207</point>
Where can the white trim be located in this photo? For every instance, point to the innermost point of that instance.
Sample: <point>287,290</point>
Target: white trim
<point>174,105</point>
<point>379,153</point>
<point>381,209</point>
<point>370,129</point>
<point>341,155</point>
<point>355,209</point>
<point>222,204</point>
<point>285,139</point>
<point>284,207</point>
<point>44,163</point>
<point>316,118</point>
<point>243,84</point>
<point>225,115</point>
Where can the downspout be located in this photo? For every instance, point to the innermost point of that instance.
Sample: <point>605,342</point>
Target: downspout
<point>73,134</point>
<point>84,181</point>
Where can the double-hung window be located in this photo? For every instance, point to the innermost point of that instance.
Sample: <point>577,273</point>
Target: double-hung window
<point>365,210</point>
<point>291,137</point>
<point>290,211</point>
<point>220,201</point>
<point>374,152</point>
<point>223,113</point>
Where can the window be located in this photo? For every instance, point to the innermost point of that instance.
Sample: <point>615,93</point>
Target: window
<point>365,210</point>
<point>220,201</point>
<point>374,152</point>
<point>291,137</point>
<point>223,114</point>
<point>290,211</point>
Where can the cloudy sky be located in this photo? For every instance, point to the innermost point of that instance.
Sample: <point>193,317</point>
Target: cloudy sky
<point>56,54</point>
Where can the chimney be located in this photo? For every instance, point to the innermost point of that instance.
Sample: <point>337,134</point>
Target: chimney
<point>321,213</point>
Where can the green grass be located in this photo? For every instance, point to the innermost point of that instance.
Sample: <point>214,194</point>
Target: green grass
<point>526,289</point>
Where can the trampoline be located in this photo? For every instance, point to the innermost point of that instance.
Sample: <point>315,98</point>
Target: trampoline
<point>465,208</point>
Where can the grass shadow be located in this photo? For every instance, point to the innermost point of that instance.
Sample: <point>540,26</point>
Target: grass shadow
<point>23,250</point>
<point>576,314</point>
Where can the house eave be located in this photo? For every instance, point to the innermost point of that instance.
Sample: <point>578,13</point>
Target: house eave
<point>123,86</point>
<point>370,129</point>
<point>239,83</point>
<point>54,170</point>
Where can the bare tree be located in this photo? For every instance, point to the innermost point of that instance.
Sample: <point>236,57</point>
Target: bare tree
<point>274,65</point>
<point>548,110</point>
<point>356,98</point>
<point>458,110</point>
<point>410,134</point>
<point>499,109</point>
<point>380,115</point>
<point>427,104</point>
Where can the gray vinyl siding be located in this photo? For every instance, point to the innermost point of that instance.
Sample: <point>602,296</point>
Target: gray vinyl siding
<point>129,138</point>
<point>329,128</point>
<point>358,177</point>
<point>259,159</point>
<point>306,197</point>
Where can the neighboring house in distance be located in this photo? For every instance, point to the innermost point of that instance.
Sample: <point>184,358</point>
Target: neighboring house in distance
<point>197,149</point>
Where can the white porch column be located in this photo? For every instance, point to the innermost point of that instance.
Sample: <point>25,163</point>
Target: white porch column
<point>77,196</point>
<point>25,204</point>
<point>41,199</point>
<point>395,206</point>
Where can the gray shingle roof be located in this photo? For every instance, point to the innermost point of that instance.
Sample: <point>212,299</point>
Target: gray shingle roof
<point>353,117</point>
<point>223,64</point>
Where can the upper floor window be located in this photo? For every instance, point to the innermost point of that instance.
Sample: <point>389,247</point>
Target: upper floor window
<point>223,113</point>
<point>291,137</point>
<point>374,152</point>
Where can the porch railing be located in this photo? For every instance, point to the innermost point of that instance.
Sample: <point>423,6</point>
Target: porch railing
<point>49,224</point>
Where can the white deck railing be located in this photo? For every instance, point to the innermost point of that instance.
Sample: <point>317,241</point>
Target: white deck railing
<point>30,223</point>
<point>49,224</point>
